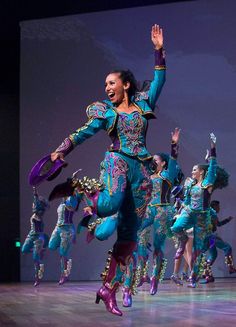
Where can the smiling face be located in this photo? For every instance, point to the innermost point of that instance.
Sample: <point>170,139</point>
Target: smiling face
<point>160,163</point>
<point>115,88</point>
<point>197,173</point>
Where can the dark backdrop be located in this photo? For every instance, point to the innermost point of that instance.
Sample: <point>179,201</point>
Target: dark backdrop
<point>63,65</point>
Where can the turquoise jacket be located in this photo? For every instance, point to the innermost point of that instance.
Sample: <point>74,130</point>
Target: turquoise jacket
<point>121,127</point>
<point>198,197</point>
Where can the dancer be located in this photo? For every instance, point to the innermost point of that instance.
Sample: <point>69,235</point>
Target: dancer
<point>196,211</point>
<point>37,241</point>
<point>159,214</point>
<point>126,166</point>
<point>178,193</point>
<point>215,242</point>
<point>64,235</point>
<point>159,211</point>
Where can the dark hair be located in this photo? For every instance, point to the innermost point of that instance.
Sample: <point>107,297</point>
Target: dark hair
<point>145,86</point>
<point>214,203</point>
<point>166,157</point>
<point>222,177</point>
<point>127,76</point>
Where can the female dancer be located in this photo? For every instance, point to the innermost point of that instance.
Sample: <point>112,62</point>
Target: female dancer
<point>37,240</point>
<point>178,193</point>
<point>196,210</point>
<point>159,211</point>
<point>64,235</point>
<point>127,188</point>
<point>219,243</point>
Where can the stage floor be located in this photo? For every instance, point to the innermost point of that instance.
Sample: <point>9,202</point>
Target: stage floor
<point>73,305</point>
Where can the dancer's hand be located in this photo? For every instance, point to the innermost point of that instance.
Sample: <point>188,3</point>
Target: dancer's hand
<point>88,211</point>
<point>157,36</point>
<point>213,140</point>
<point>207,155</point>
<point>175,135</point>
<point>57,155</point>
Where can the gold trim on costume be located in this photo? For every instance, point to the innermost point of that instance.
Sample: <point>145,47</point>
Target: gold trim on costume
<point>160,67</point>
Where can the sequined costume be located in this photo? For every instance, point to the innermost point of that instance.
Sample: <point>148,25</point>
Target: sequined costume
<point>160,213</point>
<point>214,242</point>
<point>36,240</point>
<point>196,213</point>
<point>126,171</point>
<point>137,271</point>
<point>64,235</point>
<point>180,190</point>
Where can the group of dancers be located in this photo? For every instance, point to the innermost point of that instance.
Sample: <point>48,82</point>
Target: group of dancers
<point>132,195</point>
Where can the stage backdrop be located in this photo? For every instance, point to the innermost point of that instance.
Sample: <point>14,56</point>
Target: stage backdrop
<point>64,62</point>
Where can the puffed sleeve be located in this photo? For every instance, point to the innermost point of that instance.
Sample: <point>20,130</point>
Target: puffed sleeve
<point>97,121</point>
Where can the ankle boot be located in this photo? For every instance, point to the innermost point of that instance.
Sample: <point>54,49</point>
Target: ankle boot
<point>192,282</point>
<point>175,278</point>
<point>159,269</point>
<point>154,285</point>
<point>144,275</point>
<point>66,266</point>
<point>112,276</point>
<point>207,273</point>
<point>107,295</point>
<point>127,297</point>
<point>230,263</point>
<point>121,253</point>
<point>39,270</point>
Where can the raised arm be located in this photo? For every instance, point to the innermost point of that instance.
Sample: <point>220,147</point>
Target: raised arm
<point>172,166</point>
<point>210,177</point>
<point>160,66</point>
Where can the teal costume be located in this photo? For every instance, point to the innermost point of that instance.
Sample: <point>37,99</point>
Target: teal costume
<point>212,243</point>
<point>160,214</point>
<point>37,241</point>
<point>64,233</point>
<point>126,169</point>
<point>196,213</point>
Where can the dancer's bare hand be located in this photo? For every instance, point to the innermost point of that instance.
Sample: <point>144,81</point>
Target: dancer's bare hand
<point>57,155</point>
<point>175,135</point>
<point>88,211</point>
<point>157,36</point>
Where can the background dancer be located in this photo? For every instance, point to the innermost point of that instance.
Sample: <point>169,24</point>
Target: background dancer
<point>217,243</point>
<point>37,241</point>
<point>196,211</point>
<point>159,211</point>
<point>64,235</point>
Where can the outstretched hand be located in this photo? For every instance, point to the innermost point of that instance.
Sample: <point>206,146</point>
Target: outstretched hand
<point>175,135</point>
<point>157,36</point>
<point>213,140</point>
<point>57,155</point>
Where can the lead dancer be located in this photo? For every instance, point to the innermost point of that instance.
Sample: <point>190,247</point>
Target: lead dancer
<point>126,166</point>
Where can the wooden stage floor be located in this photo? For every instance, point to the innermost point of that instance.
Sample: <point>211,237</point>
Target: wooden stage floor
<point>73,305</point>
